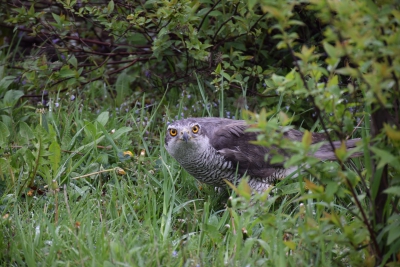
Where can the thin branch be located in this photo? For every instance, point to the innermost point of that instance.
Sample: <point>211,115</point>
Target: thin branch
<point>84,40</point>
<point>225,22</point>
<point>99,77</point>
<point>110,54</point>
<point>255,24</point>
<point>355,128</point>
<point>112,72</point>
<point>205,16</point>
<point>220,27</point>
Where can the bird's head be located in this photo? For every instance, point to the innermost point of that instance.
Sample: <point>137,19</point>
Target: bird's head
<point>184,136</point>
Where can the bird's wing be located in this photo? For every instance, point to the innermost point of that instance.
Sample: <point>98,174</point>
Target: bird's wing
<point>233,142</point>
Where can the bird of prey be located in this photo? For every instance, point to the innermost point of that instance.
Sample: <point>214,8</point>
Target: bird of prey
<point>214,149</point>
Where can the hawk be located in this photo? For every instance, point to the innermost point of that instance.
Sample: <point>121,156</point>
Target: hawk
<point>214,149</point>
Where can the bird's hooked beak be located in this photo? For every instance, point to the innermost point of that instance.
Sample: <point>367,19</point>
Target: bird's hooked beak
<point>185,136</point>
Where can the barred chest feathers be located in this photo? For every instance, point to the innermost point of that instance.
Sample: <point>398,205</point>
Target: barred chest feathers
<point>203,161</point>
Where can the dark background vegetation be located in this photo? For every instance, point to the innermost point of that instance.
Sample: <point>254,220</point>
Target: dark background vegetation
<point>82,82</point>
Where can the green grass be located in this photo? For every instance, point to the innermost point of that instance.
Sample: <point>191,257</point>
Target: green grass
<point>71,194</point>
<point>155,214</point>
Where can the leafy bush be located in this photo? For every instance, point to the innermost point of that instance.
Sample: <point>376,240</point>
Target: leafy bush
<point>355,65</point>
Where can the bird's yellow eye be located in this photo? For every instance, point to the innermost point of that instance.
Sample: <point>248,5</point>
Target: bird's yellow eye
<point>173,132</point>
<point>195,129</point>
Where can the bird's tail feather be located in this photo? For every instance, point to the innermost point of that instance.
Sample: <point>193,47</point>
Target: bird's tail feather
<point>325,152</point>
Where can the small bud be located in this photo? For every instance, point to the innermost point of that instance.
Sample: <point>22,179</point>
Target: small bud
<point>127,154</point>
<point>286,237</point>
<point>181,220</point>
<point>225,229</point>
<point>245,234</point>
<point>40,110</point>
<point>229,203</point>
<point>120,171</point>
<point>54,185</point>
<point>30,193</point>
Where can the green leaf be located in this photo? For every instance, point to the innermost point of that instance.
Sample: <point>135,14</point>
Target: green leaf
<point>293,160</point>
<point>334,81</point>
<point>103,118</point>
<point>122,86</point>
<point>290,244</point>
<point>215,13</point>
<point>11,97</point>
<point>393,134</point>
<point>218,69</point>
<point>110,7</point>
<point>385,158</point>
<point>330,190</point>
<point>25,131</point>
<point>244,189</point>
<point>330,49</point>
<point>340,152</point>
<point>55,157</point>
<point>4,133</point>
<point>395,190</point>
<point>5,82</point>
<point>66,72</point>
<point>393,229</point>
<point>307,139</point>
<point>56,18</point>
<point>291,188</point>
<point>120,132</point>
<point>348,71</point>
<point>278,80</point>
<point>91,129</point>
<point>73,61</point>
<point>108,137</point>
<point>203,11</point>
<point>52,133</point>
<point>291,75</point>
<point>313,187</point>
<point>4,168</point>
<point>277,159</point>
<point>226,75</point>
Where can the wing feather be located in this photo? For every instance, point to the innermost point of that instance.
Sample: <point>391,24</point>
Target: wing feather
<point>233,142</point>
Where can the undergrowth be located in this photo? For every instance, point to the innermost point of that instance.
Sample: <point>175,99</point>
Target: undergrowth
<point>100,190</point>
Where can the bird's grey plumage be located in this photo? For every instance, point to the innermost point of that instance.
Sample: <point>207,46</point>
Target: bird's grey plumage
<point>214,149</point>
